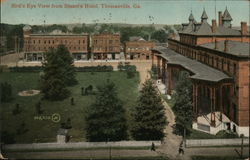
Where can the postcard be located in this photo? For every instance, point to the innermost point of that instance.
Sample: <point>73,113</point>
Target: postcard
<point>124,79</point>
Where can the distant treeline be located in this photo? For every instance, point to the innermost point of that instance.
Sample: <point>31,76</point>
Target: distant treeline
<point>14,33</point>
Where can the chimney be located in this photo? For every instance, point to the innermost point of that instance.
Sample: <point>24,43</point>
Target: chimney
<point>216,44</point>
<point>213,25</point>
<point>220,18</point>
<point>243,28</point>
<point>226,46</point>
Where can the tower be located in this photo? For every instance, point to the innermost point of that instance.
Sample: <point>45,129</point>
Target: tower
<point>204,16</point>
<point>226,19</point>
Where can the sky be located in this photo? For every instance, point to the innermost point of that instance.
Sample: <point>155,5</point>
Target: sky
<point>141,11</point>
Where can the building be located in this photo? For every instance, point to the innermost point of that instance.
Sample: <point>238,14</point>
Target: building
<point>138,48</point>
<point>35,44</point>
<point>217,60</point>
<point>105,46</point>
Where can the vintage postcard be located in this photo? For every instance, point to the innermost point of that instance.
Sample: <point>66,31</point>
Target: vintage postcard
<point>124,79</point>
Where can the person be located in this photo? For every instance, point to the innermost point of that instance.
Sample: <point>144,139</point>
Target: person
<point>153,147</point>
<point>181,148</point>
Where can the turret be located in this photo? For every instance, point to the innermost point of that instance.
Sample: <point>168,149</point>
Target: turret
<point>204,16</point>
<point>226,19</point>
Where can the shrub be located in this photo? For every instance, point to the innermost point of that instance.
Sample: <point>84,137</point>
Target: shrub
<point>95,69</point>
<point>26,69</point>
<point>6,92</point>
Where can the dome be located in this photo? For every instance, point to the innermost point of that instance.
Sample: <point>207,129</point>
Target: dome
<point>26,28</point>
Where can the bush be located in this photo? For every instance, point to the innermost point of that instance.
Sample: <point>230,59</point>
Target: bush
<point>129,69</point>
<point>95,69</point>
<point>8,138</point>
<point>26,69</point>
<point>6,92</point>
<point>227,134</point>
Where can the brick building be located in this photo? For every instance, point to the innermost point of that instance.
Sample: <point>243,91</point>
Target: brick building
<point>36,44</point>
<point>217,60</point>
<point>138,48</point>
<point>105,46</point>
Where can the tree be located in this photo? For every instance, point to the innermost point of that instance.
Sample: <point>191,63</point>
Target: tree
<point>183,104</point>
<point>160,35</point>
<point>52,83</point>
<point>67,65</point>
<point>149,116</point>
<point>105,119</point>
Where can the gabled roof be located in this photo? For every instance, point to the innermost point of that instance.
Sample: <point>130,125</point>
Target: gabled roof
<point>226,16</point>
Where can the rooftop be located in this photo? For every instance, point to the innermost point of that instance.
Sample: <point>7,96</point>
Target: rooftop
<point>200,71</point>
<point>241,49</point>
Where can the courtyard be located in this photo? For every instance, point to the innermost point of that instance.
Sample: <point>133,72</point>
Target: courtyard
<point>42,127</point>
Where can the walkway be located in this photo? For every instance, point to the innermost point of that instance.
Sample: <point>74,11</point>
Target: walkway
<point>171,142</point>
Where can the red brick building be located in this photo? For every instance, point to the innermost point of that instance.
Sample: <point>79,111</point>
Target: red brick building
<point>36,44</point>
<point>138,48</point>
<point>217,60</point>
<point>105,46</point>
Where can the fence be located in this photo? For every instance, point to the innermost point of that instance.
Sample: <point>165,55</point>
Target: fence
<point>216,142</point>
<point>39,146</point>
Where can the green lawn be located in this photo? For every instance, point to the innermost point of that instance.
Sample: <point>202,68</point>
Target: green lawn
<point>215,158</point>
<point>45,130</point>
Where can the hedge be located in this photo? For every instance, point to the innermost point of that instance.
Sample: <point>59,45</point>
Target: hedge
<point>26,69</point>
<point>78,69</point>
<point>94,69</point>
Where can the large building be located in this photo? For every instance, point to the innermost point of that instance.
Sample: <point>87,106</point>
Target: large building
<point>105,46</point>
<point>138,48</point>
<point>35,44</point>
<point>217,60</point>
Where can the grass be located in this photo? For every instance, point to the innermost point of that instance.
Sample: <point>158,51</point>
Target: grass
<point>215,158</point>
<point>45,130</point>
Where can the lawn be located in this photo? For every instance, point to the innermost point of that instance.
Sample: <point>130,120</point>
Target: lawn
<point>45,130</point>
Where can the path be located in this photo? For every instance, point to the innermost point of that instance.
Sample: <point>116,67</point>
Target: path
<point>171,142</point>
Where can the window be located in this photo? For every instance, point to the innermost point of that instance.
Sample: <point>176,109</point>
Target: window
<point>110,41</point>
<point>83,41</point>
<point>34,41</point>
<point>79,42</point>
<point>222,63</point>
<point>228,66</point>
<point>235,68</point>
<point>217,62</point>
<point>44,41</point>
<point>212,61</point>
<point>49,41</point>
<point>39,41</point>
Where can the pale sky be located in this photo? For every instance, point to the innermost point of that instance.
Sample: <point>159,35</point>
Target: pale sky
<point>162,11</point>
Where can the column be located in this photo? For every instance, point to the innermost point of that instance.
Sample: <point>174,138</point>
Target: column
<point>163,70</point>
<point>211,106</point>
<point>221,107</point>
<point>169,80</point>
<point>196,99</point>
<point>158,68</point>
<point>214,103</point>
